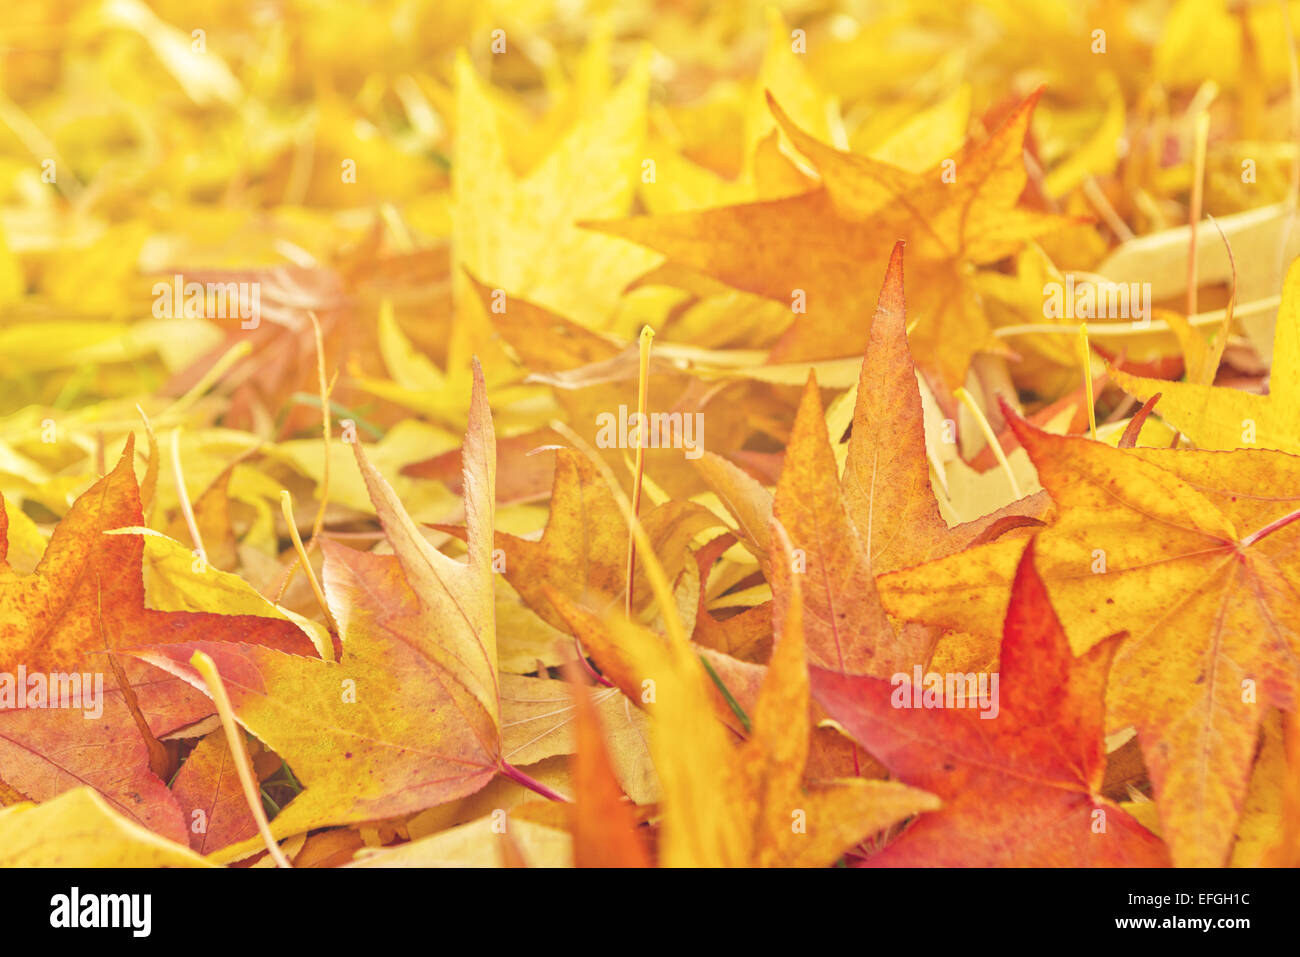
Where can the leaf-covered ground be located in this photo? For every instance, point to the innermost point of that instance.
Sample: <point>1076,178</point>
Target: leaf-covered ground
<point>650,434</point>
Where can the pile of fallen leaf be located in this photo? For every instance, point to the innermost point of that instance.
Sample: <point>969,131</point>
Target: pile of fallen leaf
<point>377,574</point>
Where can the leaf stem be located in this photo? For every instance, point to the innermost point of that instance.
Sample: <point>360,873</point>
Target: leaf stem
<point>642,440</point>
<point>1270,528</point>
<point>1085,354</point>
<point>319,523</point>
<point>966,399</point>
<point>586,665</point>
<point>286,507</point>
<point>186,509</point>
<point>1202,135</point>
<point>210,378</point>
<point>530,782</point>
<point>207,670</point>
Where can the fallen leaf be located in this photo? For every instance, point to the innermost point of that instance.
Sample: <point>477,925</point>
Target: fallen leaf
<point>1179,549</point>
<point>1023,790</point>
